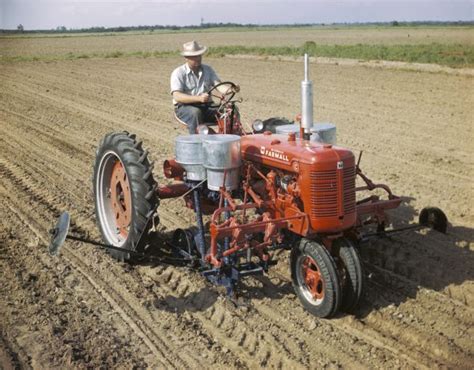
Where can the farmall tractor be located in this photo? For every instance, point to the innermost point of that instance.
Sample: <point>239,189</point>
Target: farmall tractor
<point>262,191</point>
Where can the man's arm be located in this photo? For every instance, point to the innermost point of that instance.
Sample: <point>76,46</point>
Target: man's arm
<point>177,88</point>
<point>183,98</point>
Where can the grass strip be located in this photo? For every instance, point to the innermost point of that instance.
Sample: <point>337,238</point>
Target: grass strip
<point>452,55</point>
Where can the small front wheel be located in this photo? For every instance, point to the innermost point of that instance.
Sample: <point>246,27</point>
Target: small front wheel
<point>315,279</point>
<point>351,274</point>
<point>434,218</point>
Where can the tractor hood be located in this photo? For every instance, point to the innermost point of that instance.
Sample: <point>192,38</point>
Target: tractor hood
<point>288,153</point>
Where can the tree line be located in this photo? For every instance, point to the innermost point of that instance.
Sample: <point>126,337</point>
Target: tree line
<point>62,29</point>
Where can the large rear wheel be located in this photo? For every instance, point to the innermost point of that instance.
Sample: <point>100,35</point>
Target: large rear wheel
<point>124,192</point>
<point>315,278</point>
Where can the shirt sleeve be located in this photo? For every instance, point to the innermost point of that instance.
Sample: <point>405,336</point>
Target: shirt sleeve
<point>176,81</point>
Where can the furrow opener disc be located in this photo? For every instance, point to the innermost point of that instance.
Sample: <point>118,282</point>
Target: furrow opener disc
<point>59,233</point>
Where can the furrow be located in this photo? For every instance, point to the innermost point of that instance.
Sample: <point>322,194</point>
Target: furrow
<point>138,325</point>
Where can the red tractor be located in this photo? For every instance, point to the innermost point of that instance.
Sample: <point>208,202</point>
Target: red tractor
<point>262,192</point>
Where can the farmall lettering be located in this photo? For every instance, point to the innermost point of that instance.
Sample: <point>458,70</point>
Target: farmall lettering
<point>274,153</point>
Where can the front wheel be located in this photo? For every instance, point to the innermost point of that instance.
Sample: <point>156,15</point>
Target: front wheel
<point>124,192</point>
<point>351,273</point>
<point>315,279</point>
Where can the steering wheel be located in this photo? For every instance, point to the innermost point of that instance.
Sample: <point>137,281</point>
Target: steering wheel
<point>225,97</point>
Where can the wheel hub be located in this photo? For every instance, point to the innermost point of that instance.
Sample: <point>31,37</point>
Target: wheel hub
<point>312,278</point>
<point>120,198</point>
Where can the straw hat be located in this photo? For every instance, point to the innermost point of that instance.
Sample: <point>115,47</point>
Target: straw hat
<point>192,49</point>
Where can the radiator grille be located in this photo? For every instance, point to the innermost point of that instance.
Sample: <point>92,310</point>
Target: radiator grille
<point>349,189</point>
<point>324,192</point>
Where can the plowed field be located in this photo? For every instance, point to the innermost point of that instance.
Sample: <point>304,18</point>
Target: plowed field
<point>83,309</point>
<point>55,45</point>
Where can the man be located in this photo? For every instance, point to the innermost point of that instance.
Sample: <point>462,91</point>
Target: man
<point>189,86</point>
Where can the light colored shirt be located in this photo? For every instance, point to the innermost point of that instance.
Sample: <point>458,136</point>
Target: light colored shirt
<point>183,79</point>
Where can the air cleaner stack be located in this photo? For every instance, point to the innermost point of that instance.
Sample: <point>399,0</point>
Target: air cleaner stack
<point>306,101</point>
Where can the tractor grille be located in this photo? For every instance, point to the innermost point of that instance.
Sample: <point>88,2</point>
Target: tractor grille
<point>349,189</point>
<point>324,193</point>
<point>325,190</point>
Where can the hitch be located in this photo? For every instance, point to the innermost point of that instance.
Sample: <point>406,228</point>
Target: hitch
<point>59,234</point>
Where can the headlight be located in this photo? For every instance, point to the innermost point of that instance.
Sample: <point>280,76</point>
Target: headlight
<point>258,125</point>
<point>203,130</point>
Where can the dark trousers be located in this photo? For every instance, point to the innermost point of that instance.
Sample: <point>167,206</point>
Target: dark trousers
<point>195,115</point>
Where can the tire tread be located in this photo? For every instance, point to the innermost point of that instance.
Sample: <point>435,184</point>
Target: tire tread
<point>142,184</point>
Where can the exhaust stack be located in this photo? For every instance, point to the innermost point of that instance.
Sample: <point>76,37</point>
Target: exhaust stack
<point>306,100</point>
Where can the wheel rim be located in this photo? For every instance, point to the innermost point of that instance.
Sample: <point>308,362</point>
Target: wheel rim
<point>310,280</point>
<point>114,199</point>
<point>120,198</point>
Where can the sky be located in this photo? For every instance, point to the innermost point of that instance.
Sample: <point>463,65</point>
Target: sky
<point>48,14</point>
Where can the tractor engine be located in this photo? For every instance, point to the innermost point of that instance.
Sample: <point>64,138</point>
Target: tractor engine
<point>315,179</point>
<point>263,191</point>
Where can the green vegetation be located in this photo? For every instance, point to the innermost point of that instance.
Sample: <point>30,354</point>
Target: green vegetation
<point>74,56</point>
<point>453,55</point>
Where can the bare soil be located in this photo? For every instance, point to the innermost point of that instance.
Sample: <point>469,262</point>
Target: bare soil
<point>83,309</point>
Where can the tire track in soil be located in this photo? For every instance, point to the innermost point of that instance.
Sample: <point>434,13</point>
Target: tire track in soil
<point>165,217</point>
<point>58,324</point>
<point>57,308</point>
<point>457,313</point>
<point>11,357</point>
<point>386,335</point>
<point>113,299</point>
<point>211,325</point>
<point>397,258</point>
<point>149,336</point>
<point>273,315</point>
<point>350,335</point>
<point>276,317</point>
<point>143,330</point>
<point>140,330</point>
<point>420,331</point>
<point>254,342</point>
<point>40,195</point>
<point>383,338</point>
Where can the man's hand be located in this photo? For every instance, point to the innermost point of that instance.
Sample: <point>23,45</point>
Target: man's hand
<point>203,98</point>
